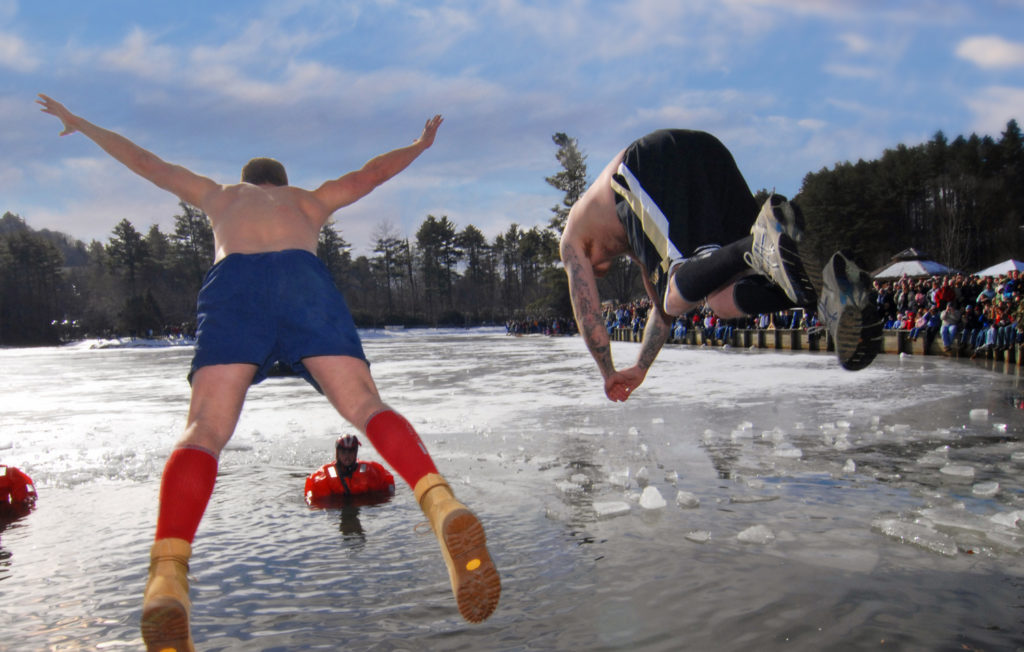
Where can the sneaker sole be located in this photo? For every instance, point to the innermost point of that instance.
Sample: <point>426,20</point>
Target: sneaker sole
<point>859,335</point>
<point>474,578</point>
<point>165,627</point>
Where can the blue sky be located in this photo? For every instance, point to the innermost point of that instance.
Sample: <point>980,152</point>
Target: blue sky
<point>790,86</point>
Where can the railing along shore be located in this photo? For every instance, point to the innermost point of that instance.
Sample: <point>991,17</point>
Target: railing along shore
<point>893,342</point>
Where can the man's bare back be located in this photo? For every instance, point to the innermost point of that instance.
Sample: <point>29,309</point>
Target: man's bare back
<point>248,219</point>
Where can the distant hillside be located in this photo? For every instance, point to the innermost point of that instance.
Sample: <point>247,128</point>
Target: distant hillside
<point>73,250</point>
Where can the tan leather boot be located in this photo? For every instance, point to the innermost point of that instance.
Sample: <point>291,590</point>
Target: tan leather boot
<point>165,605</point>
<point>474,578</point>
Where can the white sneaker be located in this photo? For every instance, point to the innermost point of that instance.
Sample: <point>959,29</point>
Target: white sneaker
<point>773,253</point>
<point>847,308</point>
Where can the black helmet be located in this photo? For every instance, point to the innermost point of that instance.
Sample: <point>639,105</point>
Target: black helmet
<point>347,442</point>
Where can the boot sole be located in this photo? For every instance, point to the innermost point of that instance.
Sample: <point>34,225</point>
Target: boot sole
<point>165,626</point>
<point>474,578</point>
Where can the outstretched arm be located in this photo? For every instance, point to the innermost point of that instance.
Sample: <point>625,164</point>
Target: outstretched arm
<point>350,187</point>
<point>187,185</point>
<point>586,306</point>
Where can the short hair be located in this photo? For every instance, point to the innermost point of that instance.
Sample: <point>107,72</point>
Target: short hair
<point>262,170</point>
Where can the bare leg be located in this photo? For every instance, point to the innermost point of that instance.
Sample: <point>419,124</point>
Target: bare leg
<point>348,385</point>
<point>218,392</point>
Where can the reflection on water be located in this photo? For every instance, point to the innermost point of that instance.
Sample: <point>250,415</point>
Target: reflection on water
<point>787,443</point>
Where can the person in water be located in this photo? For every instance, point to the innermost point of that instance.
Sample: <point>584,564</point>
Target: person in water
<point>347,476</point>
<point>17,492</point>
<point>268,298</point>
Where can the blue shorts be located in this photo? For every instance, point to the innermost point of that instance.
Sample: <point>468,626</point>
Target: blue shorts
<point>278,306</point>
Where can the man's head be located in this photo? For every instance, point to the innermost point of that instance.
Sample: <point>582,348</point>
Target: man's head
<point>345,451</point>
<point>261,171</point>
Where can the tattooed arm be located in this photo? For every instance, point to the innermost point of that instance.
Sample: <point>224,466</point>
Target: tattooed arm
<point>586,305</point>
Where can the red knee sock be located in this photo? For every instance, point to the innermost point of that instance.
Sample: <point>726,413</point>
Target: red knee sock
<point>400,446</point>
<point>185,490</point>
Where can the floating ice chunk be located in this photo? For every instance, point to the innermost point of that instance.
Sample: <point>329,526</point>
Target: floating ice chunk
<point>698,536</point>
<point>1017,457</point>
<point>651,498</point>
<point>619,479</point>
<point>917,535</point>
<point>1012,519</point>
<point>999,427</point>
<point>979,414</point>
<point>743,500</point>
<point>633,431</point>
<point>761,534</point>
<point>657,420</point>
<point>963,520</point>
<point>850,466</point>
<point>580,479</point>
<point>933,461</point>
<point>611,508</point>
<point>843,425</point>
<point>986,489</point>
<point>1009,542</point>
<point>958,472</point>
<point>745,425</point>
<point>567,487</point>
<point>672,476</point>
<point>788,451</point>
<point>900,428</point>
<point>642,476</point>
<point>687,500</point>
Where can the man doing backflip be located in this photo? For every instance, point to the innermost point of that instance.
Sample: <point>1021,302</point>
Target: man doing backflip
<point>268,298</point>
<point>675,202</point>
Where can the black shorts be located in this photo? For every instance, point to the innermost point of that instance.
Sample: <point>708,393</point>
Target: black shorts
<point>699,195</point>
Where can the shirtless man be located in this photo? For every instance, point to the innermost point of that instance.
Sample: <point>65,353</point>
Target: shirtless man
<point>265,235</point>
<point>676,204</point>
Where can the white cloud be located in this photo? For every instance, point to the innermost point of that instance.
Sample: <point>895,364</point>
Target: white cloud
<point>847,71</point>
<point>16,55</point>
<point>991,52</point>
<point>994,106</point>
<point>856,43</point>
<point>140,54</point>
<point>100,193</point>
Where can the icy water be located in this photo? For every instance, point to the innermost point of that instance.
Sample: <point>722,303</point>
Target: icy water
<point>806,508</point>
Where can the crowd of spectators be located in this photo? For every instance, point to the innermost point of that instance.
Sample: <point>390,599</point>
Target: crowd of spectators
<point>633,317</point>
<point>967,314</point>
<point>541,325</point>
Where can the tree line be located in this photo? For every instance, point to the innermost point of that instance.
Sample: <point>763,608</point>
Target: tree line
<point>961,201</point>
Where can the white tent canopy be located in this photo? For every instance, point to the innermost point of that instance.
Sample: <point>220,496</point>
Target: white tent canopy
<point>1001,268</point>
<point>912,269</point>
